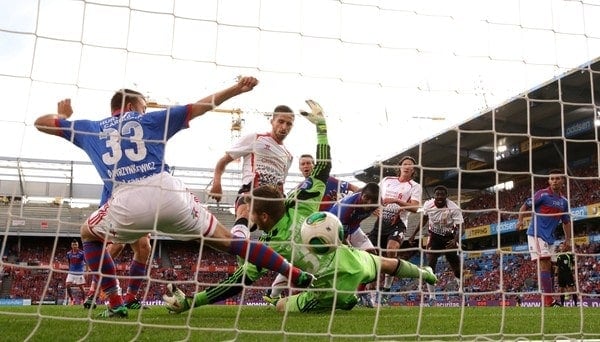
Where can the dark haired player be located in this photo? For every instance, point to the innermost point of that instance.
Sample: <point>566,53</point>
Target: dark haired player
<point>443,219</point>
<point>550,208</point>
<point>128,151</point>
<point>76,260</point>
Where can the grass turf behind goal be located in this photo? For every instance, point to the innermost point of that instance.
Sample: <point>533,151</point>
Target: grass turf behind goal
<point>251,323</point>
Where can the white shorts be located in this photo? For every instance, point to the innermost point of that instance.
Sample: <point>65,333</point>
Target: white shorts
<point>360,240</point>
<point>539,249</point>
<point>158,204</point>
<point>77,279</point>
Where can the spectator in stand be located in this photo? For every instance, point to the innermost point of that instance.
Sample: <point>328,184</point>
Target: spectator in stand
<point>565,265</point>
<point>400,196</point>
<point>334,187</point>
<point>550,208</point>
<point>128,151</point>
<point>77,264</point>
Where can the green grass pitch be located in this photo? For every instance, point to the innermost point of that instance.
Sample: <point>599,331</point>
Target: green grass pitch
<point>261,323</point>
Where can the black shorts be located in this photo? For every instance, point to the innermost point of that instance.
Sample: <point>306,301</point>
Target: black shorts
<point>408,249</point>
<point>438,242</point>
<point>566,279</point>
<point>394,232</point>
<point>242,194</point>
<point>245,190</point>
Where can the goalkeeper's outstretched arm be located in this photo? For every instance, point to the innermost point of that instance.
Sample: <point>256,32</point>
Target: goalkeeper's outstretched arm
<point>322,167</point>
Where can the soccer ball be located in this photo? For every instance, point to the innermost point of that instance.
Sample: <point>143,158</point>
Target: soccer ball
<point>322,232</point>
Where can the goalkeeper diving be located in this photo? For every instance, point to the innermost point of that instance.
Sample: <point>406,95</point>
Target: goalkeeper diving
<point>338,272</point>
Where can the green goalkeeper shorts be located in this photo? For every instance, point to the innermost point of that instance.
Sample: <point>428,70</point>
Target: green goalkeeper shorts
<point>337,282</point>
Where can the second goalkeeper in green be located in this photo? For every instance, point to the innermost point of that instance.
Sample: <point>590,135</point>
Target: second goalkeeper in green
<point>310,240</point>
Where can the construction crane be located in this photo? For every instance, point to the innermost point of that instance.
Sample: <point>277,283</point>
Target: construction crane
<point>236,124</point>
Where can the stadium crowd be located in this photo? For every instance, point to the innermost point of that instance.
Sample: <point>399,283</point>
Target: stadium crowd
<point>584,189</point>
<point>481,275</point>
<point>35,269</point>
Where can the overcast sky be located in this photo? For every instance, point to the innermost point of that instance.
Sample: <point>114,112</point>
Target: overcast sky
<point>378,68</point>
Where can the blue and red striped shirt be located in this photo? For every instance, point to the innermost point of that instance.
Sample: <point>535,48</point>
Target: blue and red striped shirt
<point>550,209</point>
<point>351,212</point>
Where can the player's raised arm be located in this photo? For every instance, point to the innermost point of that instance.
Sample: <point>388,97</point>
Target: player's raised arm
<point>208,103</point>
<point>323,165</point>
<point>311,190</point>
<point>47,123</point>
<point>244,84</point>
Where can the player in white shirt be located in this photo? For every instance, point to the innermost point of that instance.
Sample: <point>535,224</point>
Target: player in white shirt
<point>266,161</point>
<point>400,196</point>
<point>443,219</point>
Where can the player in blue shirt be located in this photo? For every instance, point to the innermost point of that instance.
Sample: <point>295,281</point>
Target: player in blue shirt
<point>550,208</point>
<point>143,197</point>
<point>75,276</point>
<point>141,248</point>
<point>352,210</point>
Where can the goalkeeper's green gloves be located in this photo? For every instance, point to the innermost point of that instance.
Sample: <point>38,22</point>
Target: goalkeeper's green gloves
<point>315,116</point>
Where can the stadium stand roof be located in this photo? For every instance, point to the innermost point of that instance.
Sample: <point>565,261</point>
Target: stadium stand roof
<point>533,122</point>
<point>77,180</point>
<point>41,197</point>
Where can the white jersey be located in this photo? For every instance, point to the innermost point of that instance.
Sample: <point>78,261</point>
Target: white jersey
<point>265,161</point>
<point>392,187</point>
<point>442,220</point>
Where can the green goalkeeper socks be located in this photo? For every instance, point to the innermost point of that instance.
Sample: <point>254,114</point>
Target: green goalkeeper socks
<point>407,270</point>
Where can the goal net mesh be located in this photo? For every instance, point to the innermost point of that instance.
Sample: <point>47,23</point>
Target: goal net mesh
<point>486,96</point>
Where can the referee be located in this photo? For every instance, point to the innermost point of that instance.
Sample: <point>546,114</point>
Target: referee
<point>565,265</point>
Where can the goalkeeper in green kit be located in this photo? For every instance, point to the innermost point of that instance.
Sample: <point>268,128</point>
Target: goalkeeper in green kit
<point>338,272</point>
